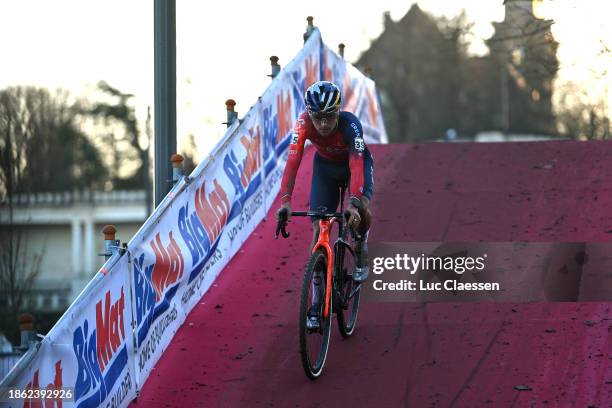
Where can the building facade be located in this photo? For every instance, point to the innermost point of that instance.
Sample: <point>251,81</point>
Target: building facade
<point>61,233</point>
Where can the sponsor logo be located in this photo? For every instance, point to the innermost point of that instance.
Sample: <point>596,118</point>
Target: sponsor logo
<point>252,162</point>
<point>356,130</point>
<point>169,264</point>
<point>284,114</point>
<point>213,207</point>
<point>101,353</point>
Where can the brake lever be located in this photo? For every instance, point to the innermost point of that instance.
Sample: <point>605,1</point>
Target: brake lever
<point>281,227</point>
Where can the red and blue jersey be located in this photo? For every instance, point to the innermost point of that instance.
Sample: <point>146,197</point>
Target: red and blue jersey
<point>345,144</point>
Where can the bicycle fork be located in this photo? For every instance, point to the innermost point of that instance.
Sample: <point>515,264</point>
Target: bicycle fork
<point>323,242</point>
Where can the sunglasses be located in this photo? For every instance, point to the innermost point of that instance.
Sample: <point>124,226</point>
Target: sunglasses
<point>319,116</point>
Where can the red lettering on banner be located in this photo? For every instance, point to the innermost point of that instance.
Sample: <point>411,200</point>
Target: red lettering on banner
<point>312,72</point>
<point>32,385</point>
<point>207,216</point>
<point>283,116</point>
<point>212,209</point>
<point>253,159</point>
<point>348,94</point>
<point>327,72</point>
<point>110,331</point>
<point>219,204</point>
<point>169,264</point>
<point>55,385</point>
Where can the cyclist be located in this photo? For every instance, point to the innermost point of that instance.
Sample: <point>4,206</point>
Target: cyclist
<point>341,156</point>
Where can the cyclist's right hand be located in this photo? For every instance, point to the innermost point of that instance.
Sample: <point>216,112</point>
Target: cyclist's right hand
<point>284,212</point>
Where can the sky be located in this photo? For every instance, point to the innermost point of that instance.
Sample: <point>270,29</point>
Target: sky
<point>223,48</point>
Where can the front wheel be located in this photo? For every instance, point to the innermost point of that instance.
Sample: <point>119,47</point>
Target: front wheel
<point>314,343</point>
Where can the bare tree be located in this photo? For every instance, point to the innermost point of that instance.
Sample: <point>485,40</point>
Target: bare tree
<point>42,146</point>
<point>121,134</point>
<point>580,115</point>
<point>18,270</point>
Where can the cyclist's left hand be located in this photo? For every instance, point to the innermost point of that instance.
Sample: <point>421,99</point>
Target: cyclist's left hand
<point>354,218</point>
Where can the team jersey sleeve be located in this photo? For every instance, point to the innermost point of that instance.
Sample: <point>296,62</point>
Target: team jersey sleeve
<point>353,136</point>
<point>296,149</point>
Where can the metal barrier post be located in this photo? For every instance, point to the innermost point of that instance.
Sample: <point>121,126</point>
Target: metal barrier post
<point>275,67</point>
<point>232,115</point>
<point>177,167</point>
<point>111,245</point>
<point>309,28</point>
<point>26,329</point>
<point>341,50</point>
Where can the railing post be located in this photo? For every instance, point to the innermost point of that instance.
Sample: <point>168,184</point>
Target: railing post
<point>275,67</point>
<point>177,167</point>
<point>232,115</point>
<point>341,50</point>
<point>111,245</point>
<point>26,329</point>
<point>309,28</point>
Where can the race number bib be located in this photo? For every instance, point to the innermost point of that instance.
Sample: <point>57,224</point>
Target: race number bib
<point>359,144</point>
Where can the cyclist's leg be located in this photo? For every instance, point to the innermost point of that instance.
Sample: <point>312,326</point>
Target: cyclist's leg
<point>323,191</point>
<point>361,245</point>
<point>368,191</point>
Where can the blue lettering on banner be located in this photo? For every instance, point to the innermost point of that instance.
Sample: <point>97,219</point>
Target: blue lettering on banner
<point>193,233</point>
<point>146,310</point>
<point>233,169</point>
<point>145,294</point>
<point>270,125</point>
<point>196,270</point>
<point>270,128</point>
<point>89,376</point>
<point>299,86</point>
<point>196,239</point>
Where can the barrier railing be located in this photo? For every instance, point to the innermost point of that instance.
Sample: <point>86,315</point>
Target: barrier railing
<point>105,345</point>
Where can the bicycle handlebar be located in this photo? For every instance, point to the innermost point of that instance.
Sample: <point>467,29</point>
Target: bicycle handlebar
<point>282,224</point>
<point>317,214</point>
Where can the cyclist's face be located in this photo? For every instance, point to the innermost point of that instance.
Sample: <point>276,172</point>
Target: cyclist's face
<point>325,123</point>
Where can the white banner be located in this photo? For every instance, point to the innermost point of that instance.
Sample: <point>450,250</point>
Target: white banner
<point>89,354</point>
<point>186,242</point>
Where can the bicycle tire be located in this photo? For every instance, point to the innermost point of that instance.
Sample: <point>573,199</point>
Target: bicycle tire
<point>314,370</point>
<point>347,309</point>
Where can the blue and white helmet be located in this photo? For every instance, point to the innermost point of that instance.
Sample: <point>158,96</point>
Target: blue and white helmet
<point>323,97</point>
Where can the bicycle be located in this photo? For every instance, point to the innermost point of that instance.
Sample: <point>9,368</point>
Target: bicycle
<point>334,269</point>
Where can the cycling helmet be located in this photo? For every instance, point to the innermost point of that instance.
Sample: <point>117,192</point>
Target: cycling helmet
<point>322,97</point>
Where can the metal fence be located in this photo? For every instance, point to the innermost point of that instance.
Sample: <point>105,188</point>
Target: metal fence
<point>76,197</point>
<point>7,361</point>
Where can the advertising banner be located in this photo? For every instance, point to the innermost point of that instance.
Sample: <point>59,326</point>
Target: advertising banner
<point>87,359</point>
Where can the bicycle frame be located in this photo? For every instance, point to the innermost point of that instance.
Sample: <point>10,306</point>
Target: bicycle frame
<point>323,242</point>
<point>325,225</point>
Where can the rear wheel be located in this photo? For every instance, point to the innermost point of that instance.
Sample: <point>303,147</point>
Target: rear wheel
<point>314,343</point>
<point>349,292</point>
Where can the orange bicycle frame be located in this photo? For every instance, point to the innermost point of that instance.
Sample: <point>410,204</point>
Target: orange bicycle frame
<point>323,242</point>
